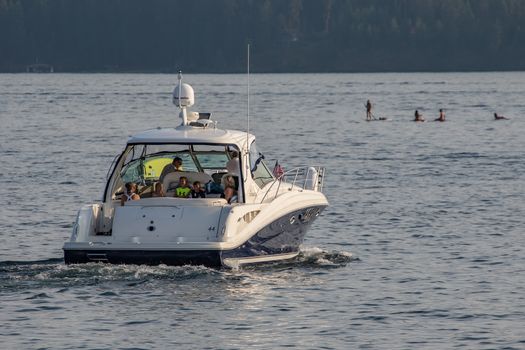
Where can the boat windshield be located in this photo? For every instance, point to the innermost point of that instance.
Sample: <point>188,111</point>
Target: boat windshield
<point>260,172</point>
<point>144,163</point>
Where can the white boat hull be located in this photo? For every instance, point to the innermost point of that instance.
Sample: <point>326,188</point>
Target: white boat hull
<point>279,239</point>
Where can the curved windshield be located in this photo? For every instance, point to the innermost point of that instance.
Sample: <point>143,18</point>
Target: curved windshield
<point>260,172</point>
<point>145,163</point>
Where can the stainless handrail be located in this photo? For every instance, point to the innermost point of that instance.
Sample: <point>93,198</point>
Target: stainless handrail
<point>296,179</point>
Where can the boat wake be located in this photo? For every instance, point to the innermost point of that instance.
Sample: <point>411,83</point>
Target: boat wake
<point>314,256</point>
<point>53,273</point>
<point>309,257</point>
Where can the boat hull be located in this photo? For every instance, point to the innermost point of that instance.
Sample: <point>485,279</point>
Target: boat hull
<point>279,240</point>
<point>144,257</point>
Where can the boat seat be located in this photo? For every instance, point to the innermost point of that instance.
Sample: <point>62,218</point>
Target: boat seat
<point>171,180</point>
<point>217,177</point>
<point>171,201</point>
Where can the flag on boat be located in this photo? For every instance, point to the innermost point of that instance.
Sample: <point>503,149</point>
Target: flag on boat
<point>278,170</point>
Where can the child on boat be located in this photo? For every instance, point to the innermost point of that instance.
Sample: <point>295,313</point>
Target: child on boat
<point>197,191</point>
<point>183,190</point>
<point>158,190</point>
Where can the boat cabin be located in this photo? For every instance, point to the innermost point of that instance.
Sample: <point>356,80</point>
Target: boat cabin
<point>206,156</point>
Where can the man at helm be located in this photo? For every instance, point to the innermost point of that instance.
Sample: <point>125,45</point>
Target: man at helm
<point>176,165</point>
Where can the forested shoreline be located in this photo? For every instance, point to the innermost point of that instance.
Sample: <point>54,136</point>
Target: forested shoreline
<point>285,36</point>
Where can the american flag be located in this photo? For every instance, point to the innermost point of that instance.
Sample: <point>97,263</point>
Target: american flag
<point>278,170</point>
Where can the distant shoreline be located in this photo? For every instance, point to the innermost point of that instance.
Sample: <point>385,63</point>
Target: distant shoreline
<point>212,36</point>
<point>262,72</point>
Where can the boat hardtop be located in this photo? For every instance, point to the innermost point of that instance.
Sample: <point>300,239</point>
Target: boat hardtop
<point>191,134</point>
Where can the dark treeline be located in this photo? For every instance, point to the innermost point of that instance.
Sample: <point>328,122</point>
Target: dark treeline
<point>285,36</point>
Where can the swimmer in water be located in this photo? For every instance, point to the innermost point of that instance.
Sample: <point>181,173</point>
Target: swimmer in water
<point>418,117</point>
<point>499,117</point>
<point>441,116</point>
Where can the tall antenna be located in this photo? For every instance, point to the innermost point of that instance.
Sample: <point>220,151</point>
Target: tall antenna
<point>247,112</point>
<point>248,93</point>
<point>180,85</point>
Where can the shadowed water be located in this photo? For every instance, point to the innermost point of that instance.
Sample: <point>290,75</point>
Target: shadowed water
<point>422,245</point>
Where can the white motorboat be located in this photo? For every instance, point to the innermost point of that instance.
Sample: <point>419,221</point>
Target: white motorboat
<point>264,216</point>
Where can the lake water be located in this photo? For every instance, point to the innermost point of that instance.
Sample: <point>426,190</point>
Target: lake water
<point>422,246</point>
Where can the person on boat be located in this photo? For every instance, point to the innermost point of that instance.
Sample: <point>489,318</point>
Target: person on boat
<point>228,180</point>
<point>441,116</point>
<point>231,178</point>
<point>158,190</point>
<point>176,165</point>
<point>418,117</point>
<point>197,191</point>
<point>230,188</point>
<point>230,194</point>
<point>234,154</point>
<point>499,117</point>
<point>368,110</point>
<point>129,193</point>
<point>183,190</point>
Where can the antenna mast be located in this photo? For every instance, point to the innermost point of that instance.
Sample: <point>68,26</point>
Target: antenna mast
<point>247,111</point>
<point>182,109</point>
<point>183,97</point>
<point>180,85</point>
<point>248,97</point>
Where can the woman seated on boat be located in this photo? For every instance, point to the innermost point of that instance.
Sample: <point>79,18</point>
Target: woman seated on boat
<point>130,193</point>
<point>158,190</point>
<point>230,194</point>
<point>231,178</point>
<point>183,190</point>
<point>230,189</point>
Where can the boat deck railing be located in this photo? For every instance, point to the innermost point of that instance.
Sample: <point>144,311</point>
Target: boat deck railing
<point>301,178</point>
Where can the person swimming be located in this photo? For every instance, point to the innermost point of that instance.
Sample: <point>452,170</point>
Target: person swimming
<point>499,117</point>
<point>418,117</point>
<point>441,116</point>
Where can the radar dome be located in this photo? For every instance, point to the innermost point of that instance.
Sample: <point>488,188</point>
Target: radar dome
<point>183,96</point>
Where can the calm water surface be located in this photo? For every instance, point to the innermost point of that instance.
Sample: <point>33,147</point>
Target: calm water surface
<point>422,247</point>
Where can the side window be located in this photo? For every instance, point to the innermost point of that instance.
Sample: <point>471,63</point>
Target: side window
<point>260,173</point>
<point>132,170</point>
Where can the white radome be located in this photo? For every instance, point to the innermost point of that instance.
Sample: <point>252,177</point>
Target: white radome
<point>183,96</point>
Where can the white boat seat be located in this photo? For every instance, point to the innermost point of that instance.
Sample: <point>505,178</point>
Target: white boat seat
<point>171,180</point>
<point>217,177</point>
<point>172,201</point>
